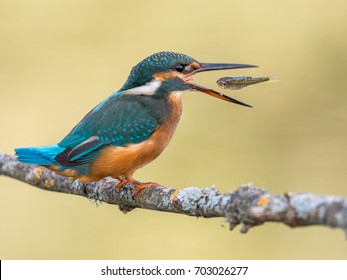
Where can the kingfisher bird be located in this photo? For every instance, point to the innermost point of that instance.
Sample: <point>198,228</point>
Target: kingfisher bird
<point>132,126</point>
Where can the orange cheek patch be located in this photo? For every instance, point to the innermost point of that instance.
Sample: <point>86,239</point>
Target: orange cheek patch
<point>164,76</point>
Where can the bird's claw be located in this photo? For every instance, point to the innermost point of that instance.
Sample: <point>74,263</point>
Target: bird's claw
<point>138,185</point>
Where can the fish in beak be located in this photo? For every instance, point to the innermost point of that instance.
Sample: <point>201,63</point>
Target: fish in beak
<point>217,66</point>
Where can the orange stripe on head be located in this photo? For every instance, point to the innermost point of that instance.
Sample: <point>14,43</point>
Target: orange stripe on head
<point>185,75</point>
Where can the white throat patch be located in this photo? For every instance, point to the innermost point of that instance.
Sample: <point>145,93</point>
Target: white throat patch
<point>147,89</point>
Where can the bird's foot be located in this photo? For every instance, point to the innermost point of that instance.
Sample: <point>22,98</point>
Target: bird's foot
<point>139,185</point>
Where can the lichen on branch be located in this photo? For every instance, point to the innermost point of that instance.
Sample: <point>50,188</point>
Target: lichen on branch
<point>247,205</point>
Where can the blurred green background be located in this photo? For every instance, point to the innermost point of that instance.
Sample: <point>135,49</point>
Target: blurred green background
<point>58,59</point>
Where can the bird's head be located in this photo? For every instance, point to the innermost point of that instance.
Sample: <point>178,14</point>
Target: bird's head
<point>167,72</point>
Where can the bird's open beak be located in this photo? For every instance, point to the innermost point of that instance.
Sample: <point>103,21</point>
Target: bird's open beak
<point>218,66</point>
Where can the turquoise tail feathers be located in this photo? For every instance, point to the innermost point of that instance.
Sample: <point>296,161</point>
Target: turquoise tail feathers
<point>39,155</point>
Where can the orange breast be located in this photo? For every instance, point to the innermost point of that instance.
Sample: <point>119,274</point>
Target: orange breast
<point>124,161</point>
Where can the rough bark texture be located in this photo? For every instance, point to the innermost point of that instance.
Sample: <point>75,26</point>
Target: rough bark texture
<point>248,205</point>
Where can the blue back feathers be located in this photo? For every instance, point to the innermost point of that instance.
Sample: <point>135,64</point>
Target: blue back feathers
<point>120,120</point>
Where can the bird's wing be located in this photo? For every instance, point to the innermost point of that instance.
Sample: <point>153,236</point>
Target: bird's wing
<point>120,120</point>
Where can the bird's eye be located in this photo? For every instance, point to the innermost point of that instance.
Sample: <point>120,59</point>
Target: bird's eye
<point>179,68</point>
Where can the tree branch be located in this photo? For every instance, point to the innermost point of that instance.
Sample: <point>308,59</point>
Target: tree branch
<point>248,206</point>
